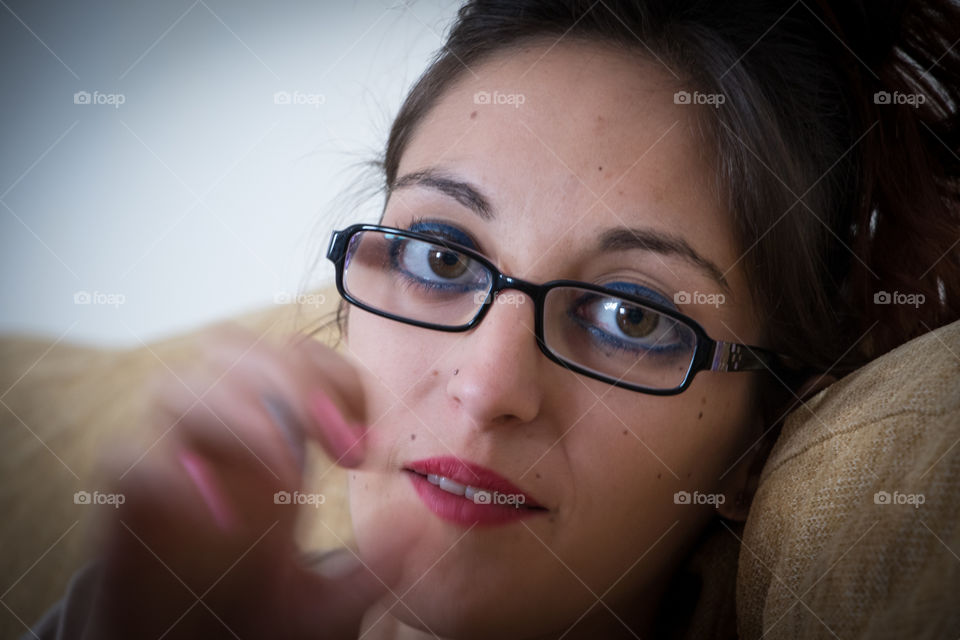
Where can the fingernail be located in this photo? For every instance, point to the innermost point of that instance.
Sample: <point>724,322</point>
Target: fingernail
<point>344,440</point>
<point>288,424</point>
<point>206,484</point>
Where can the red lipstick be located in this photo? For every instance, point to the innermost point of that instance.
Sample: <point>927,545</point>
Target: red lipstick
<point>469,494</point>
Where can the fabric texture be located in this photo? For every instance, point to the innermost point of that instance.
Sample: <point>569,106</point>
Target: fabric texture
<point>855,529</point>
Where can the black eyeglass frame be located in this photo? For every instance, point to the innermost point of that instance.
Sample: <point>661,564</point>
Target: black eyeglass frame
<point>709,354</point>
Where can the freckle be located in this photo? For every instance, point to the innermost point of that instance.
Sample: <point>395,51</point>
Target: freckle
<point>689,474</point>
<point>658,476</point>
<point>473,115</point>
<point>552,519</point>
<point>538,476</point>
<point>700,416</point>
<point>413,436</point>
<point>366,486</point>
<point>620,192</point>
<point>624,432</point>
<point>703,400</point>
<point>599,168</point>
<point>435,372</point>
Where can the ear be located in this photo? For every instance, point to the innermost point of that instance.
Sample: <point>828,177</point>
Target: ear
<point>740,483</point>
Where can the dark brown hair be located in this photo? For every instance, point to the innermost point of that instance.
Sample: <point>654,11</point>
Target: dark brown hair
<point>841,181</point>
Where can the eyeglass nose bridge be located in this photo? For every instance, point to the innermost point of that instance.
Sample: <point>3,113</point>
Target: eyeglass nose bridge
<point>504,282</point>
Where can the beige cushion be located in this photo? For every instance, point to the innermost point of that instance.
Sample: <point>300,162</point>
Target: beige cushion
<point>823,557</point>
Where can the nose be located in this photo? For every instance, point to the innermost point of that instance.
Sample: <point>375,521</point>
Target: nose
<point>498,378</point>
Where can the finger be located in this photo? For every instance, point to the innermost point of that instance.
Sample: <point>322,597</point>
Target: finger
<point>320,389</point>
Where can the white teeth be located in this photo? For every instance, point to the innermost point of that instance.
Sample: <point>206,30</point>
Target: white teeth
<point>458,489</point>
<point>450,486</point>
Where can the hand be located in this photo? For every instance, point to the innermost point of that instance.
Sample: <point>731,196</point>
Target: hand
<point>200,548</point>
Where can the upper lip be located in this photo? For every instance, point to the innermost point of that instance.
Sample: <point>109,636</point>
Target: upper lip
<point>472,474</point>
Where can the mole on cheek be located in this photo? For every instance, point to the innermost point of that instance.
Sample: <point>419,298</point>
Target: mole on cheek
<point>413,436</point>
<point>473,115</point>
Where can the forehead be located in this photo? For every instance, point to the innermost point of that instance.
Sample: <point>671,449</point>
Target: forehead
<point>574,137</point>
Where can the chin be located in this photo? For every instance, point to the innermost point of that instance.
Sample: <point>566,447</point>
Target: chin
<point>437,612</point>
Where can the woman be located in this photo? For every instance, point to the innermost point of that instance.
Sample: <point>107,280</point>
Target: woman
<point>620,241</point>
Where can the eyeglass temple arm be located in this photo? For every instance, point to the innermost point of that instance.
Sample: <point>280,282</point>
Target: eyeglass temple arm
<point>732,356</point>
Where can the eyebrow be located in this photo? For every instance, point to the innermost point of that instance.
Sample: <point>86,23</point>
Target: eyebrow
<point>463,192</point>
<point>612,239</point>
<point>624,239</point>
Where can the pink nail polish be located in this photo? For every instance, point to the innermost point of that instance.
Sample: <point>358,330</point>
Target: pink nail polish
<point>206,484</point>
<point>344,440</point>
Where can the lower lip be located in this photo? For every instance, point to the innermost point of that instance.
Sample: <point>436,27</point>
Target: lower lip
<point>459,510</point>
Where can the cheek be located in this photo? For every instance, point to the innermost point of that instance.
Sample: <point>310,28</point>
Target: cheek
<point>392,357</point>
<point>627,473</point>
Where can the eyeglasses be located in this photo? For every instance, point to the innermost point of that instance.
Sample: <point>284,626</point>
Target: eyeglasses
<point>622,339</point>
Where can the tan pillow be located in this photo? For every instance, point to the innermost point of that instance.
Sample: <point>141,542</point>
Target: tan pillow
<point>855,529</point>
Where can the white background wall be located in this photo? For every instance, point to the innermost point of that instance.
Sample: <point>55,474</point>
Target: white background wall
<point>199,196</point>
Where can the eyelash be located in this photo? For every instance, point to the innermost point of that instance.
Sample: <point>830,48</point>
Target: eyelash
<point>466,240</point>
<point>635,289</point>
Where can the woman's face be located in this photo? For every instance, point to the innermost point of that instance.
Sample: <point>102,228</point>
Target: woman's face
<point>574,140</point>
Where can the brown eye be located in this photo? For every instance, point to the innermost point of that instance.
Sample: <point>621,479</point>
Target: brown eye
<point>446,263</point>
<point>636,322</point>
